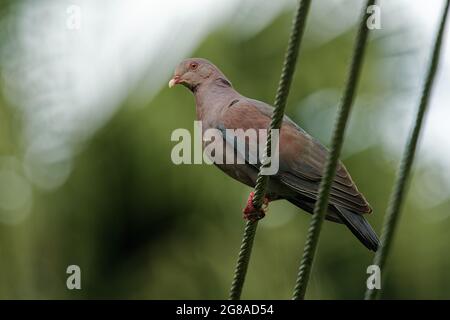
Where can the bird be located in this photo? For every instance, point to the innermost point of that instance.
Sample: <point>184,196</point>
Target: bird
<point>301,157</point>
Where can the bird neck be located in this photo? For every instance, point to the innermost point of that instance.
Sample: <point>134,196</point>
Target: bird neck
<point>211,96</point>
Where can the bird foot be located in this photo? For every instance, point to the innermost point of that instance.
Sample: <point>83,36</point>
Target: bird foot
<point>253,214</point>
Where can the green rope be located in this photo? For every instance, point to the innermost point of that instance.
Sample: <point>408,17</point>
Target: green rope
<point>287,73</point>
<point>398,193</point>
<point>284,85</point>
<point>321,205</point>
<point>243,259</point>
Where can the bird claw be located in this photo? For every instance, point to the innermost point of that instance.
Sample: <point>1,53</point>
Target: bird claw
<point>253,214</point>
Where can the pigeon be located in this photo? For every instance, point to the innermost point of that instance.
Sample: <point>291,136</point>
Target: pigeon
<point>301,157</point>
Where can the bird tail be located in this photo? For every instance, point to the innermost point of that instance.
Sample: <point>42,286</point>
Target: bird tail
<point>308,206</point>
<point>359,226</point>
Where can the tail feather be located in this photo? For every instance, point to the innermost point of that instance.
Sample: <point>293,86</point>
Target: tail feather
<point>359,226</point>
<point>308,206</point>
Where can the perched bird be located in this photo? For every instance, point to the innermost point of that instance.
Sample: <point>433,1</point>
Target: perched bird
<point>301,157</point>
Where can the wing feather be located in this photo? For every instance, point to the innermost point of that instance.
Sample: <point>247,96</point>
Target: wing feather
<point>302,158</point>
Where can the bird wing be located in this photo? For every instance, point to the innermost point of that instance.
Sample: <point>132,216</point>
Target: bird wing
<point>302,158</point>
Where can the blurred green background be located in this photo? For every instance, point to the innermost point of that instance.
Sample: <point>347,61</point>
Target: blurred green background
<point>141,227</point>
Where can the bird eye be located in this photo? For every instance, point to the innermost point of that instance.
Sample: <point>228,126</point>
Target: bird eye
<point>193,65</point>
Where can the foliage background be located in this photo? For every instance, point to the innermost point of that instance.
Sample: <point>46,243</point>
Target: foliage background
<point>141,227</point>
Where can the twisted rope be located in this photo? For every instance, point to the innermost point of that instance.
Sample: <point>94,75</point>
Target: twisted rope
<point>321,205</point>
<point>284,86</point>
<point>287,73</point>
<point>398,193</point>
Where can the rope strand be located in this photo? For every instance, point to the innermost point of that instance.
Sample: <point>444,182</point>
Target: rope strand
<point>287,73</point>
<point>321,205</point>
<point>398,193</point>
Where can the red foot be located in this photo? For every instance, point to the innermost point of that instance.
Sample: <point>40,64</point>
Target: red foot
<point>253,214</point>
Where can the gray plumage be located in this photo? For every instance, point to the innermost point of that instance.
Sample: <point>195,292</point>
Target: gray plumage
<point>302,158</point>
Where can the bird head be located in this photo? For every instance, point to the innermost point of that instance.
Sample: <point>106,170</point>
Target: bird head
<point>194,71</point>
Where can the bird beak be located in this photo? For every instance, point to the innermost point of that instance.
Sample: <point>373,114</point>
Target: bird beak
<point>175,80</point>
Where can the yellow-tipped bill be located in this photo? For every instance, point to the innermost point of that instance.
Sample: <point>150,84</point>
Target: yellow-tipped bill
<point>172,82</point>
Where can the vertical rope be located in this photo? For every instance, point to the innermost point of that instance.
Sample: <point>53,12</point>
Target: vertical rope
<point>287,73</point>
<point>398,193</point>
<point>321,205</point>
<point>243,259</point>
<point>284,86</point>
